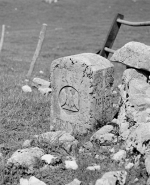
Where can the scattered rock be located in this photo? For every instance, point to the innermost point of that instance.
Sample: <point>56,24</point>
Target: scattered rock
<point>48,158</point>
<point>41,72</point>
<point>147,164</point>
<point>112,150</point>
<point>75,182</point>
<point>45,90</point>
<point>71,164</point>
<point>38,82</point>
<point>27,156</point>
<point>112,178</point>
<point>51,1</point>
<point>93,167</point>
<point>88,146</point>
<point>26,88</point>
<point>119,156</point>
<point>129,166</point>
<point>63,138</point>
<point>34,181</point>
<point>24,181</point>
<point>103,136</point>
<point>106,139</point>
<point>27,143</point>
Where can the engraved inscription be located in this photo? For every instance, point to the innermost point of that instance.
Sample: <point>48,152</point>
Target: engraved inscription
<point>69,99</point>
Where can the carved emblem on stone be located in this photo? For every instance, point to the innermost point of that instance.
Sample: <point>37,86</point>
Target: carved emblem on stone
<point>69,99</point>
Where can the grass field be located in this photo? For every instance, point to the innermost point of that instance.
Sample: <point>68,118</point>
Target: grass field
<point>74,26</point>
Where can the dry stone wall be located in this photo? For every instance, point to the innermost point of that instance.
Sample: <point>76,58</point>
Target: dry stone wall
<point>134,115</point>
<point>82,92</point>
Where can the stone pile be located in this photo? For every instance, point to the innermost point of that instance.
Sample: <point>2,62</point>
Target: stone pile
<point>82,88</point>
<point>134,115</point>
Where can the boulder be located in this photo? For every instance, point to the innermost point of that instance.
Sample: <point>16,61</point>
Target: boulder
<point>133,54</point>
<point>27,156</point>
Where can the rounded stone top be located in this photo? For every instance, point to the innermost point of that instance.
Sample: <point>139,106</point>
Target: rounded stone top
<point>133,54</point>
<point>94,61</point>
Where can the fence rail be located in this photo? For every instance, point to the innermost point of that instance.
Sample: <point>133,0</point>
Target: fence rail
<point>112,34</point>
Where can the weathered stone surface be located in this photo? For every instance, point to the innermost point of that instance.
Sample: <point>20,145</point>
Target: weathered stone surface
<point>129,166</point>
<point>26,88</point>
<point>48,158</point>
<point>148,181</point>
<point>119,156</point>
<point>24,181</point>
<point>147,164</point>
<point>135,100</point>
<point>138,138</point>
<point>2,162</point>
<point>139,93</point>
<point>63,138</point>
<point>131,73</point>
<point>71,164</point>
<point>75,182</point>
<point>105,139</point>
<point>45,90</point>
<point>94,167</point>
<point>111,178</point>
<point>133,54</point>
<point>38,82</point>
<point>104,135</point>
<point>26,156</point>
<point>34,181</point>
<point>27,143</point>
<point>82,92</point>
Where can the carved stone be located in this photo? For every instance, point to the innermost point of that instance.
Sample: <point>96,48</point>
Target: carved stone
<point>81,92</point>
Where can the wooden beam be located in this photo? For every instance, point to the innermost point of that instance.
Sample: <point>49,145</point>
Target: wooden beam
<point>111,36</point>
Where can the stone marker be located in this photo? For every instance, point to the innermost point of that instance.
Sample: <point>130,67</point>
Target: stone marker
<point>81,92</point>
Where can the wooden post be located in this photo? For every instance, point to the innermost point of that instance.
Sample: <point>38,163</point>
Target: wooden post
<point>111,36</point>
<point>2,37</point>
<point>37,51</point>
